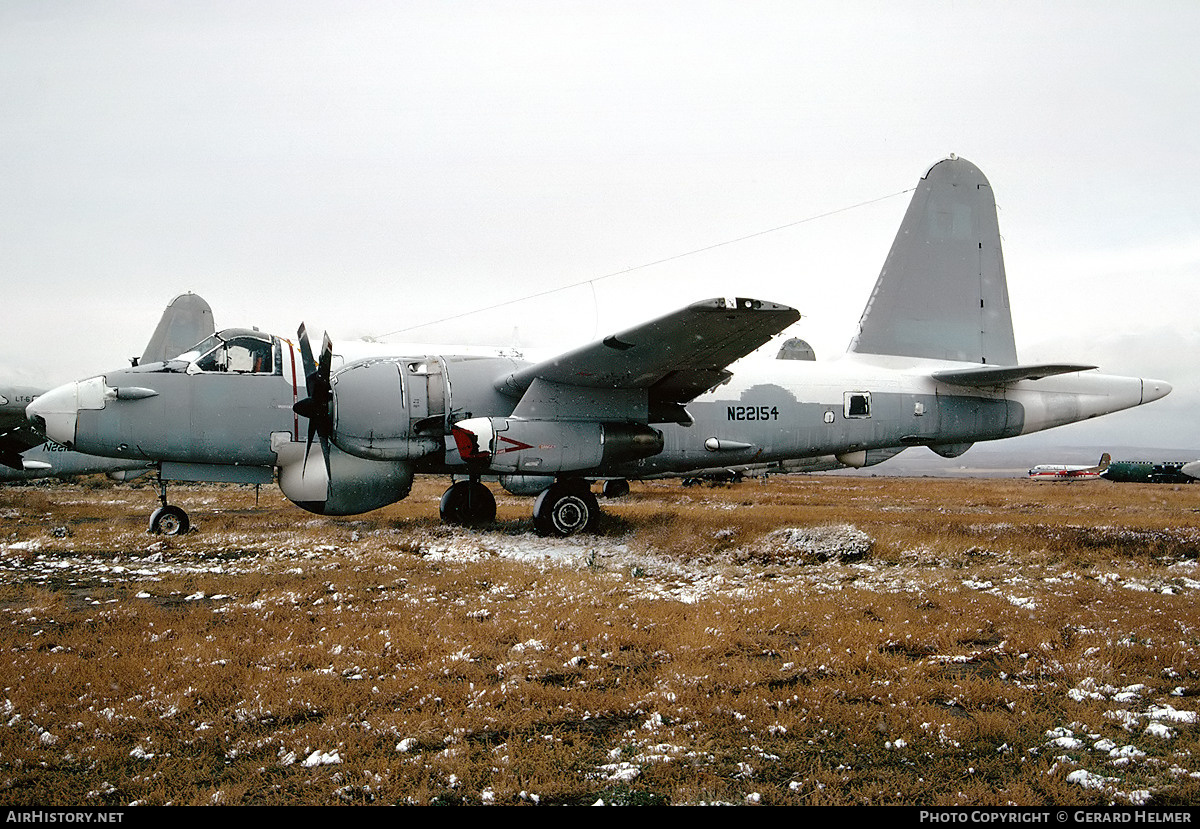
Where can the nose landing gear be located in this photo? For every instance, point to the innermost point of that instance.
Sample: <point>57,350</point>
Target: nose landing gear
<point>168,519</point>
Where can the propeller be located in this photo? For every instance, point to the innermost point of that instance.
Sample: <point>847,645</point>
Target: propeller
<point>315,407</point>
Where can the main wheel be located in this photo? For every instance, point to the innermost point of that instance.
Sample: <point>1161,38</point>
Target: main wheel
<point>468,504</point>
<point>616,488</point>
<point>565,509</point>
<point>169,520</point>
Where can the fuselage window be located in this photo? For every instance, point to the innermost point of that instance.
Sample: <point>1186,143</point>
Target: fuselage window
<point>858,404</point>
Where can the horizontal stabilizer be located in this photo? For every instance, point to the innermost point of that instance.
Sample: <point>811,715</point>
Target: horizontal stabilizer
<point>1003,375</point>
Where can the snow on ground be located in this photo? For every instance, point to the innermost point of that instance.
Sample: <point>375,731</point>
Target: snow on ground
<point>809,560</point>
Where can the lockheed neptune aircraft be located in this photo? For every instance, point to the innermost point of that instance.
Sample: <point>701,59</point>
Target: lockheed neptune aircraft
<point>25,453</point>
<point>933,364</point>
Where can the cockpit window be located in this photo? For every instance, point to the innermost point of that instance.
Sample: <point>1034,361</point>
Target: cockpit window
<point>239,355</point>
<point>202,347</point>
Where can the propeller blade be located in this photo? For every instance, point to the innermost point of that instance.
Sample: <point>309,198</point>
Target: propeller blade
<point>306,354</point>
<point>326,359</point>
<point>317,382</point>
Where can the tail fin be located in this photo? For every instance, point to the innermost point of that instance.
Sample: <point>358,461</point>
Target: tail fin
<point>1105,460</point>
<point>187,320</point>
<point>942,293</point>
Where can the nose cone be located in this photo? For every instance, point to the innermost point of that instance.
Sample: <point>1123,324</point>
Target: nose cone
<point>56,412</point>
<point>1154,389</point>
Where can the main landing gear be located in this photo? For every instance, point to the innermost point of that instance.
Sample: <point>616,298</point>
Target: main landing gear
<point>168,519</point>
<point>468,504</point>
<point>564,508</point>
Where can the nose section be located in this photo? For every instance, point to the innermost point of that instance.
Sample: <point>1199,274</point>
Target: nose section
<point>56,412</point>
<point>1154,390</point>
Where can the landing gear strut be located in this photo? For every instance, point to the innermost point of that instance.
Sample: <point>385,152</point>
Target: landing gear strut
<point>468,504</point>
<point>565,508</point>
<point>168,519</point>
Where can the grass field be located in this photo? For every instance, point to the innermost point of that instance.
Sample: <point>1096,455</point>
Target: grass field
<point>808,640</point>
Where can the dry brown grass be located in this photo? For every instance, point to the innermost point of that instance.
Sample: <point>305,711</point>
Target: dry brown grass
<point>982,650</point>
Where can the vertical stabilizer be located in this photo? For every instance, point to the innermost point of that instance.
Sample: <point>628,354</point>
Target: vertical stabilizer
<point>187,320</point>
<point>942,293</point>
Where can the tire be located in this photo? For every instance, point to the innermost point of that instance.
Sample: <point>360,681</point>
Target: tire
<point>616,488</point>
<point>564,510</point>
<point>169,520</point>
<point>468,504</point>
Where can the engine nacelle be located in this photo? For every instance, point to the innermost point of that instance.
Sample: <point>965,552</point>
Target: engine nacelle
<point>548,447</point>
<point>348,485</point>
<point>372,412</point>
<point>373,403</point>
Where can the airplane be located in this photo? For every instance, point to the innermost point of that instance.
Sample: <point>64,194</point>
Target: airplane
<point>1150,472</point>
<point>933,364</point>
<point>1061,472</point>
<point>26,454</point>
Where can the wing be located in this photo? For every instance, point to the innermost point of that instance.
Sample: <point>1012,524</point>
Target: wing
<point>650,371</point>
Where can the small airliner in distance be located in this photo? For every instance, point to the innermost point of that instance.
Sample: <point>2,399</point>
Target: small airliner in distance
<point>1062,472</point>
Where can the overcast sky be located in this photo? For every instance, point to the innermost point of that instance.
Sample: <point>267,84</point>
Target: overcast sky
<point>368,167</point>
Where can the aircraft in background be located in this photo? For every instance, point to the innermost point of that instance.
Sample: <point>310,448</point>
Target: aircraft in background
<point>1060,472</point>
<point>934,364</point>
<point>26,454</point>
<point>1150,472</point>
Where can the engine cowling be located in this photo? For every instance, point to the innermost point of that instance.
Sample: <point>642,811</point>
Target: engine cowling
<point>372,409</point>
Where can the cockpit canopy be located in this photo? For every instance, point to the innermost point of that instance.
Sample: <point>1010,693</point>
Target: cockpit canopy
<point>235,351</point>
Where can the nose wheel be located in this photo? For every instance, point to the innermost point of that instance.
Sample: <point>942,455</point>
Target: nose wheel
<point>168,519</point>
